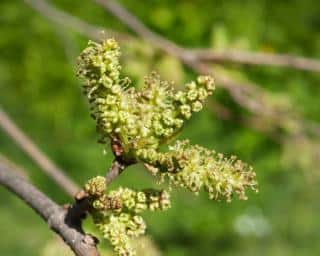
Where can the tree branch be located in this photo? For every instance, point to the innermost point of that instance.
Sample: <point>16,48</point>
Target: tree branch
<point>258,58</point>
<point>116,169</point>
<point>138,27</point>
<point>18,169</point>
<point>94,32</point>
<point>45,164</point>
<point>67,20</point>
<point>282,60</point>
<point>65,222</point>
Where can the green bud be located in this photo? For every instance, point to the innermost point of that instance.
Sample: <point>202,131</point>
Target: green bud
<point>186,111</point>
<point>196,106</point>
<point>96,186</point>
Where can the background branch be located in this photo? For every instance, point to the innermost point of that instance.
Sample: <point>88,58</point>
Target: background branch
<point>60,220</point>
<point>43,162</point>
<point>66,20</point>
<point>138,27</point>
<point>14,167</point>
<point>94,32</point>
<point>258,58</point>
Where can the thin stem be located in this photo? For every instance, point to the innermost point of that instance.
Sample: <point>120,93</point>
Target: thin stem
<point>66,20</point>
<point>259,58</point>
<point>138,27</point>
<point>18,169</point>
<point>116,169</point>
<point>45,164</point>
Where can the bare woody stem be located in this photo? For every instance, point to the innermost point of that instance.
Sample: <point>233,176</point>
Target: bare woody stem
<point>65,222</point>
<point>258,58</point>
<point>234,56</point>
<point>66,20</point>
<point>198,55</point>
<point>139,28</point>
<point>45,164</point>
<point>16,168</point>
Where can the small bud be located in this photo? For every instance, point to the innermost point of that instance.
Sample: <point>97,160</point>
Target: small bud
<point>96,186</point>
<point>196,106</point>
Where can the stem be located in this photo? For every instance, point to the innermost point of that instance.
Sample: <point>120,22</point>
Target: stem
<point>116,169</point>
<point>30,148</point>
<point>65,222</point>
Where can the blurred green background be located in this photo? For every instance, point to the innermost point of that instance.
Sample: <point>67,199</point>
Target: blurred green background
<point>40,91</point>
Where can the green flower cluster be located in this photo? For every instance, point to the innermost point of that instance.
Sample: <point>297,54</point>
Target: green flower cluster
<point>96,186</point>
<point>138,201</point>
<point>138,119</point>
<point>138,122</point>
<point>115,213</point>
<point>120,230</point>
<point>194,167</point>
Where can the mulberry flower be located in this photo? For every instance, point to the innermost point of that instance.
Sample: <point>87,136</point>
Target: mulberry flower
<point>138,122</point>
<point>120,229</point>
<point>195,167</point>
<point>115,213</point>
<point>143,118</point>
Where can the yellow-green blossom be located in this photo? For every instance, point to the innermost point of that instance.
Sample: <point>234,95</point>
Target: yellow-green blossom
<point>138,119</point>
<point>138,122</point>
<point>120,229</point>
<point>96,186</point>
<point>195,167</point>
<point>115,213</point>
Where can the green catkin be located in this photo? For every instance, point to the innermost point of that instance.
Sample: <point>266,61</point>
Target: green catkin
<point>116,213</point>
<point>140,121</point>
<point>195,167</point>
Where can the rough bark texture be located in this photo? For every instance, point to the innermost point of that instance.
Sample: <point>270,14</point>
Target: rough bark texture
<point>65,222</point>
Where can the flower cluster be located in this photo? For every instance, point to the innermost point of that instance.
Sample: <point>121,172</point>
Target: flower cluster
<point>138,201</point>
<point>96,186</point>
<point>137,118</point>
<point>194,167</point>
<point>120,230</point>
<point>116,213</point>
<point>138,122</point>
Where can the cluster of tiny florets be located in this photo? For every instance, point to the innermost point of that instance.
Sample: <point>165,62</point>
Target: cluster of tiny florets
<point>138,118</point>
<point>138,122</point>
<point>116,213</point>
<point>195,167</point>
<point>138,201</point>
<point>120,230</point>
<point>96,187</point>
